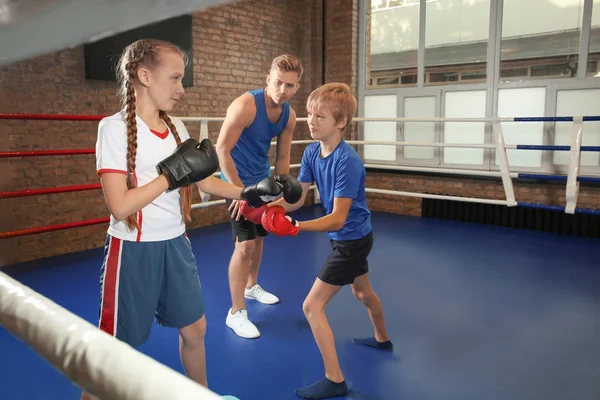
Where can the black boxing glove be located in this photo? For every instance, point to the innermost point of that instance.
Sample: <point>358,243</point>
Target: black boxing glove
<point>191,162</point>
<point>263,192</point>
<point>292,190</point>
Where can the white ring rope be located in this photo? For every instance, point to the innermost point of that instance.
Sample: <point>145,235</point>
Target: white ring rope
<point>89,357</point>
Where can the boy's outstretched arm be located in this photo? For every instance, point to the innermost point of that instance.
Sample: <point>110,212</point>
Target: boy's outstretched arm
<point>331,222</point>
<point>275,221</point>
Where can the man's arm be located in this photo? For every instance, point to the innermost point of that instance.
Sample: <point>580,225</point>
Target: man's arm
<point>284,146</point>
<point>240,115</point>
<point>332,222</point>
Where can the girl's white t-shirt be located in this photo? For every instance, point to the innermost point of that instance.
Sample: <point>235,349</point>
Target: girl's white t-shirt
<point>162,218</point>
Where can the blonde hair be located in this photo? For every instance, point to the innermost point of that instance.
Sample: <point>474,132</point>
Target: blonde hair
<point>144,52</point>
<point>288,63</point>
<point>335,97</point>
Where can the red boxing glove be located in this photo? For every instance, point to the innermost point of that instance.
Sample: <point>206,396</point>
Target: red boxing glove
<point>276,222</point>
<point>250,213</point>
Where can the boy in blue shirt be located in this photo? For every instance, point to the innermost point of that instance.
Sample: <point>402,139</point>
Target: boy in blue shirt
<point>339,174</point>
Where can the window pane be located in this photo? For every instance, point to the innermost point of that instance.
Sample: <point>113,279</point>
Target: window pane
<point>594,51</point>
<point>522,102</point>
<point>423,132</point>
<point>392,43</point>
<point>456,37</point>
<point>380,107</point>
<point>540,39</point>
<point>469,104</point>
<point>577,102</point>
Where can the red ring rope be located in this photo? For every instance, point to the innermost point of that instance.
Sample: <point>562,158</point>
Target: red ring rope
<point>49,117</point>
<point>35,192</point>
<point>52,117</point>
<point>51,228</point>
<point>34,153</point>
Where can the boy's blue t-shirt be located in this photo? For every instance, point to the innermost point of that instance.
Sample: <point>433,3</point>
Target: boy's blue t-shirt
<point>251,152</point>
<point>340,174</point>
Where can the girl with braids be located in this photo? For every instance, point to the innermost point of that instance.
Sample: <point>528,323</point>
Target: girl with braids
<point>149,270</point>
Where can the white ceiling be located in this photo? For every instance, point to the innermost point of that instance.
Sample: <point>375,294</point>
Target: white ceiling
<point>29,28</point>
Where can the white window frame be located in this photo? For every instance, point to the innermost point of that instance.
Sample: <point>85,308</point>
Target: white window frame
<point>491,86</point>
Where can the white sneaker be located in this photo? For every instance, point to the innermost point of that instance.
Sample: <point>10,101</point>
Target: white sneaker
<point>241,325</point>
<point>258,293</point>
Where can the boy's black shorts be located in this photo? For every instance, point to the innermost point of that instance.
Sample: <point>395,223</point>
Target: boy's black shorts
<point>347,261</point>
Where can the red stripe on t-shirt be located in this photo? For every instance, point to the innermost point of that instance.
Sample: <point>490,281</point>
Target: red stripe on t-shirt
<point>108,170</point>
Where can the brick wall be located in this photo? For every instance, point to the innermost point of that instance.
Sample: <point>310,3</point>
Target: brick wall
<point>233,48</point>
<point>341,40</point>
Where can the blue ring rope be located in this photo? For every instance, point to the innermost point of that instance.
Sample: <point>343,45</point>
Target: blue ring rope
<point>549,147</point>
<point>554,119</point>
<point>558,208</point>
<point>588,179</point>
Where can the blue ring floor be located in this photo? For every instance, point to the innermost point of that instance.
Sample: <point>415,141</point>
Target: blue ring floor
<point>475,312</point>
